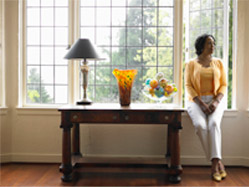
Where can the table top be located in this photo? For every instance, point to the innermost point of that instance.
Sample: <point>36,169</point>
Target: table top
<point>118,107</point>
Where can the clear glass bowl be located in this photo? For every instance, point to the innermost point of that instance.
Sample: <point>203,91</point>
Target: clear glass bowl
<point>155,98</point>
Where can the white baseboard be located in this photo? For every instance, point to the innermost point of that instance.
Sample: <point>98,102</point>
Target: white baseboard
<point>32,158</point>
<point>5,158</point>
<point>56,158</point>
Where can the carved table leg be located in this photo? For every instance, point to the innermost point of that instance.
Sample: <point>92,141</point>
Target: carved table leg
<point>66,166</point>
<point>76,139</point>
<point>175,167</point>
<point>168,142</point>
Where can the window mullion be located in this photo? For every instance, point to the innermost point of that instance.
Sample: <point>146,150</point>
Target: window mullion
<point>226,40</point>
<point>234,58</point>
<point>73,66</point>
<point>22,57</point>
<point>178,33</point>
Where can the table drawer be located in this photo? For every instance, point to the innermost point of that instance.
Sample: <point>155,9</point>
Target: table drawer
<point>130,117</point>
<point>146,117</point>
<point>95,117</point>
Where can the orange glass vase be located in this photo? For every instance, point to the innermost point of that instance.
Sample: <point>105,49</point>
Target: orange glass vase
<point>125,79</point>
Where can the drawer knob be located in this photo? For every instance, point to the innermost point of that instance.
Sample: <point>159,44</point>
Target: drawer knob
<point>114,117</point>
<point>166,117</point>
<point>75,117</point>
<point>126,118</point>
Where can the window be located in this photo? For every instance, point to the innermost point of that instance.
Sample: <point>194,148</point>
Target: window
<point>130,34</point>
<point>213,17</point>
<point>46,40</point>
<point>141,34</point>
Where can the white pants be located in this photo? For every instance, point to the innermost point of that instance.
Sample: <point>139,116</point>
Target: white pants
<point>207,127</point>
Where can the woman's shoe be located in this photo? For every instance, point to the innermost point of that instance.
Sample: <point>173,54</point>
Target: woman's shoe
<point>223,174</point>
<point>216,177</point>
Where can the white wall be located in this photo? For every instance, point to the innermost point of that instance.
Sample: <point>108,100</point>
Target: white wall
<point>33,135</point>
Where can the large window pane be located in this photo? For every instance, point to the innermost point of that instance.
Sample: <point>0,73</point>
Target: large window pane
<point>207,16</point>
<point>33,55</point>
<point>134,17</point>
<point>47,36</point>
<point>47,74</point>
<point>33,36</point>
<point>61,75</point>
<point>118,16</point>
<point>165,36</point>
<point>33,74</point>
<point>47,17</point>
<point>60,34</point>
<point>33,2</point>
<point>103,17</point>
<point>46,42</point>
<point>61,17</point>
<point>61,94</point>
<point>47,3</point>
<point>47,55</point>
<point>87,17</point>
<point>33,17</point>
<point>33,94</point>
<point>150,16</point>
<point>136,35</point>
<point>119,3</point>
<point>103,36</point>
<point>135,3</point>
<point>103,75</point>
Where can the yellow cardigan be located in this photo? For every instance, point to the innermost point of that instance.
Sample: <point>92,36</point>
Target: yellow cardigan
<point>192,78</point>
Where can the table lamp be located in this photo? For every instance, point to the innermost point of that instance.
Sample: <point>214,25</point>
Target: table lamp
<point>83,49</point>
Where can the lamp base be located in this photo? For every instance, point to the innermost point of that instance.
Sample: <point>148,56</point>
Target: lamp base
<point>84,102</point>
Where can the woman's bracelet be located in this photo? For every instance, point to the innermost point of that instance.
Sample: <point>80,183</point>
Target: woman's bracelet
<point>217,100</point>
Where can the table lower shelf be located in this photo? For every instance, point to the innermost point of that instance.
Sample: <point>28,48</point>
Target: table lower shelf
<point>162,165</point>
<point>119,160</point>
<point>115,166</point>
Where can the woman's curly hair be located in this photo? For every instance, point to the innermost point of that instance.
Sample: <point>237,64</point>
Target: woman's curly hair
<point>200,42</point>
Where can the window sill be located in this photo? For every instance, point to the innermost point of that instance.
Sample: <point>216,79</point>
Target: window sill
<point>38,111</point>
<point>53,111</point>
<point>3,111</point>
<point>230,112</point>
<point>227,113</point>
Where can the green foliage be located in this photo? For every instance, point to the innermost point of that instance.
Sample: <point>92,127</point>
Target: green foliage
<point>34,96</point>
<point>35,92</point>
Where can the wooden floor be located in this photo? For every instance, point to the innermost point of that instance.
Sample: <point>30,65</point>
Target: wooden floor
<point>112,175</point>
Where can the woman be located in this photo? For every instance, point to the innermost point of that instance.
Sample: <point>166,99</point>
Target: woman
<point>205,82</point>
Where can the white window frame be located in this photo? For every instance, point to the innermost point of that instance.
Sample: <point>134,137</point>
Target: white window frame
<point>2,60</point>
<point>73,81</point>
<point>235,34</point>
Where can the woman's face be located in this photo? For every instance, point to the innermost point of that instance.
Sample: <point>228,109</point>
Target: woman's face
<point>209,46</point>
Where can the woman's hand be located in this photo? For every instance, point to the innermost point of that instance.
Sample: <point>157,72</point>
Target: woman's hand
<point>213,105</point>
<point>204,107</point>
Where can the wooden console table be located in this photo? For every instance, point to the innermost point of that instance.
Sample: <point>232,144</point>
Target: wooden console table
<point>72,116</point>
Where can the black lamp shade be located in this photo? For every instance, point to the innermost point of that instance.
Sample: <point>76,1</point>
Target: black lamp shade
<point>82,49</point>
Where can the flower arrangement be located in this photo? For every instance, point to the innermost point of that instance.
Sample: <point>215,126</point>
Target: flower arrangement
<point>125,79</point>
